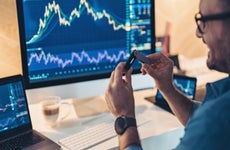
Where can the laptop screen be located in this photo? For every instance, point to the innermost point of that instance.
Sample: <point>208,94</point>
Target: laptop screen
<point>185,84</point>
<point>13,105</point>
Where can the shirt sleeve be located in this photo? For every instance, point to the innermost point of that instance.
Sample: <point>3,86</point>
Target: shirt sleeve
<point>134,147</point>
<point>195,106</point>
<point>209,127</point>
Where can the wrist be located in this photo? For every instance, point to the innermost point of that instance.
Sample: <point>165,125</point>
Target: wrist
<point>122,123</point>
<point>167,89</point>
<point>130,137</point>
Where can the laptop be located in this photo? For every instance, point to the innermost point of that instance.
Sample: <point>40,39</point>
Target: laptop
<point>185,84</point>
<point>16,132</point>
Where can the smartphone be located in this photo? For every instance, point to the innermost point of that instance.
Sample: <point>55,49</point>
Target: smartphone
<point>136,55</point>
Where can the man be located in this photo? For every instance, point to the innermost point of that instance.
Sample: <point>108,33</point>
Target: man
<point>207,126</point>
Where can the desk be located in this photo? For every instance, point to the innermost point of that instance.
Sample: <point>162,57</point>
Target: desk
<point>157,131</point>
<point>159,122</point>
<point>164,141</point>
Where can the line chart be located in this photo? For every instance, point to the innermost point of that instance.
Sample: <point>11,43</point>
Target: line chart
<point>7,122</point>
<point>7,106</point>
<point>52,9</point>
<point>82,38</point>
<point>184,88</point>
<point>75,58</point>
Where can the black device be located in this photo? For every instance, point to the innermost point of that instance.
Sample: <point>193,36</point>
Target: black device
<point>185,84</point>
<point>130,61</point>
<point>122,123</point>
<point>136,55</point>
<point>16,130</point>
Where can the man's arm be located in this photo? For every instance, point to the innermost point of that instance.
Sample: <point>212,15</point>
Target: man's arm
<point>120,101</point>
<point>129,137</point>
<point>161,70</point>
<point>179,104</point>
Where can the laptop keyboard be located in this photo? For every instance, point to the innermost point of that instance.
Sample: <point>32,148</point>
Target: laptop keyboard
<point>21,141</point>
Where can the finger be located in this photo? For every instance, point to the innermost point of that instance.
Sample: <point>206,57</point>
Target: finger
<point>143,70</point>
<point>156,57</point>
<point>149,70</point>
<point>128,76</point>
<point>111,78</point>
<point>119,72</point>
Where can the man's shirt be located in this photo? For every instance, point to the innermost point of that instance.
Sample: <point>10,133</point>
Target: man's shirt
<point>209,125</point>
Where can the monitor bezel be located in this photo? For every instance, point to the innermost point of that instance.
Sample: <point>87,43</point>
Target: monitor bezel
<point>30,85</point>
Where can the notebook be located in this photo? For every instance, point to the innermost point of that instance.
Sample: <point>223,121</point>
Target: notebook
<point>16,130</point>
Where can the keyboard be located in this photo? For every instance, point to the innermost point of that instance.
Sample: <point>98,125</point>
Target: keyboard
<point>21,141</point>
<point>101,131</point>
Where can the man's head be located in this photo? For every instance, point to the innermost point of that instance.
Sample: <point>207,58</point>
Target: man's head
<point>215,32</point>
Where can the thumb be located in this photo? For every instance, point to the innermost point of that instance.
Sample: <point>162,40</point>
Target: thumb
<point>149,70</point>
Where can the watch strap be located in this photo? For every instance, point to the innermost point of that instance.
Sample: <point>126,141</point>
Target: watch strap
<point>122,123</point>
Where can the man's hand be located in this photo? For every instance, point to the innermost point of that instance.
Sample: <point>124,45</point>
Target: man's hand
<point>160,69</point>
<point>119,94</point>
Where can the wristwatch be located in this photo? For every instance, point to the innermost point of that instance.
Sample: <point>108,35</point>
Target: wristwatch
<point>123,122</point>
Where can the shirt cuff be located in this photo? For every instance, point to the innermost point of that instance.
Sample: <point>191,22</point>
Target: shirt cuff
<point>133,147</point>
<point>195,106</point>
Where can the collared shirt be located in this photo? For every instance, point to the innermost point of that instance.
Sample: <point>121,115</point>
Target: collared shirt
<point>209,125</point>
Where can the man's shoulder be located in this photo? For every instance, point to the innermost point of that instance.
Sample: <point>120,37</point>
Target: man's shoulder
<point>209,126</point>
<point>216,106</point>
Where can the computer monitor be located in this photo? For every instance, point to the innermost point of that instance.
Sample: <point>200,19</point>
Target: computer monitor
<point>69,48</point>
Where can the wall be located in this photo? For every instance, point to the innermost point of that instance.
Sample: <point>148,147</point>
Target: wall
<point>179,12</point>
<point>181,15</point>
<point>10,61</point>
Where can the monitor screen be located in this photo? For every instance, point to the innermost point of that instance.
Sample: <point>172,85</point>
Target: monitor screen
<point>13,104</point>
<point>185,84</point>
<point>81,40</point>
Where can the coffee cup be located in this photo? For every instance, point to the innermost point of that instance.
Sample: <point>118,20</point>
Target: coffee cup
<point>51,110</point>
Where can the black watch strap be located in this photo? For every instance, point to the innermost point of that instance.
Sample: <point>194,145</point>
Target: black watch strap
<point>123,122</point>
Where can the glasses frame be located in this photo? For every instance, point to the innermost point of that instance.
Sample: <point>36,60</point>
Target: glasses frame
<point>200,19</point>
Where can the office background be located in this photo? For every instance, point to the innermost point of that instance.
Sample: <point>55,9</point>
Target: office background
<point>180,13</point>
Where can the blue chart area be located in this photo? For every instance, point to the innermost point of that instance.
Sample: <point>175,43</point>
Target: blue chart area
<point>185,86</point>
<point>6,122</point>
<point>13,108</point>
<point>55,16</point>
<point>83,58</point>
<point>79,37</point>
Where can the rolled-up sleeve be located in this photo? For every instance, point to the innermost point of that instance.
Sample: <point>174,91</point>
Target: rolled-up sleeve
<point>195,106</point>
<point>134,147</point>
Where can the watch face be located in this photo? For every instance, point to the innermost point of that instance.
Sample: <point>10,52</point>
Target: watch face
<point>120,125</point>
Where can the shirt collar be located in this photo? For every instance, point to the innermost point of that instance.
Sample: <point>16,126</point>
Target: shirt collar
<point>215,89</point>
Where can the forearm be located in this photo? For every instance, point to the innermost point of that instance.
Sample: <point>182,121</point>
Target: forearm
<point>130,137</point>
<point>179,104</point>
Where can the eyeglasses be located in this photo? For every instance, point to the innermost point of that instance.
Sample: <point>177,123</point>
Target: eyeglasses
<point>200,19</point>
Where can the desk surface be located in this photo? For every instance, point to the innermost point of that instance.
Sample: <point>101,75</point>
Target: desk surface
<point>160,127</point>
<point>159,121</point>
